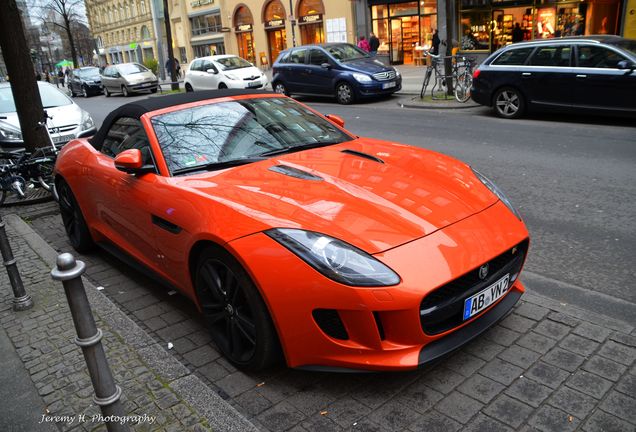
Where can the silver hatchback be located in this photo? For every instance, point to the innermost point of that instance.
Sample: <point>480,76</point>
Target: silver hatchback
<point>127,78</point>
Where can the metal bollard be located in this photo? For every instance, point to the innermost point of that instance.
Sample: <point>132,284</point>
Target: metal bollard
<point>21,300</point>
<point>89,337</point>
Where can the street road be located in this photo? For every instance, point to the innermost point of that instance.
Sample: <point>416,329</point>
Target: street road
<point>572,178</point>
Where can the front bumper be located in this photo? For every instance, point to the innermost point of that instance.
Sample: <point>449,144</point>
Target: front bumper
<point>143,86</point>
<point>376,88</point>
<point>382,326</point>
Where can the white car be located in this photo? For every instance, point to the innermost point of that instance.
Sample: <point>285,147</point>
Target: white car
<point>68,122</point>
<point>223,71</point>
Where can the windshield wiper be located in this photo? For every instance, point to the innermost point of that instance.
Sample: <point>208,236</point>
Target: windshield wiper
<point>297,148</point>
<point>214,166</point>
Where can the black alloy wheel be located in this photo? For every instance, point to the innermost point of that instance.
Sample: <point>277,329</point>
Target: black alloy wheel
<point>76,229</point>
<point>509,103</point>
<point>280,88</point>
<point>84,92</point>
<point>344,93</point>
<point>236,315</point>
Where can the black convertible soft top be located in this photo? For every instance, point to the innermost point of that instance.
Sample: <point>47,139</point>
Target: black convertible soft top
<point>139,107</point>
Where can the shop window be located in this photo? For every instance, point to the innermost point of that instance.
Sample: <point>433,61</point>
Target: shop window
<point>403,9</point>
<point>598,57</point>
<point>551,56</point>
<point>274,11</point>
<point>310,7</point>
<point>145,33</point>
<point>571,20</point>
<point>546,22</point>
<point>381,30</point>
<point>475,27</point>
<point>205,24</point>
<point>379,12</point>
<point>513,57</point>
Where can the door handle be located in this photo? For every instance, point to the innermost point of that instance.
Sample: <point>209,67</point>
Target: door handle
<point>581,76</point>
<point>526,74</point>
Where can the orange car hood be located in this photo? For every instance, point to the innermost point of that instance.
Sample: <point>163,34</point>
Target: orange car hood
<point>374,205</point>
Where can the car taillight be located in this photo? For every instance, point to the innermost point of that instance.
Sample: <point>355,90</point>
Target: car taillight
<point>476,73</point>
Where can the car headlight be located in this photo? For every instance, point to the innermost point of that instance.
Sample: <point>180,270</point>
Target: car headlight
<point>335,259</point>
<point>361,78</point>
<point>397,73</point>
<point>9,132</point>
<point>498,192</point>
<point>232,77</point>
<point>87,121</point>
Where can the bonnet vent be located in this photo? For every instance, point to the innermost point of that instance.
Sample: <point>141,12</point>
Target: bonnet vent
<point>294,172</point>
<point>363,155</point>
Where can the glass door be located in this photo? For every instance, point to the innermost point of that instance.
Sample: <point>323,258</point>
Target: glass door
<point>397,48</point>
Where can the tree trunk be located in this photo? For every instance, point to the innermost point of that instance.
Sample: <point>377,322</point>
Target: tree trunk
<point>173,69</point>
<point>67,27</point>
<point>22,77</point>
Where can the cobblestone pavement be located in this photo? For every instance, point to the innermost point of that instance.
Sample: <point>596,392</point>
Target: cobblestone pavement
<point>548,367</point>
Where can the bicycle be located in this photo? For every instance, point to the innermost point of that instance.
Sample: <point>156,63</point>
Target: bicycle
<point>433,68</point>
<point>464,78</point>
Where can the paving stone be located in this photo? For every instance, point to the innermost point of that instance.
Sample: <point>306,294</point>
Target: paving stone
<point>459,407</point>
<point>625,339</point>
<point>508,410</point>
<point>519,356</point>
<point>155,323</point>
<point>552,329</point>
<point>618,352</point>
<point>484,349</point>
<point>590,384</point>
<point>481,388</point>
<point>592,331</point>
<point>434,421</point>
<point>547,374</point>
<point>518,323</point>
<point>564,359</point>
<point>579,345</point>
<point>347,411</point>
<point>564,319</point>
<point>502,335</point>
<point>537,342</point>
<point>213,371</point>
<point>443,380</point>
<point>464,363</point>
<point>532,311</point>
<point>483,423</point>
<point>573,402</point>
<point>621,405</point>
<point>419,397</point>
<point>627,385</point>
<point>602,421</point>
<point>529,392</point>
<point>501,371</point>
<point>319,422</point>
<point>236,383</point>
<point>310,400</point>
<point>549,419</point>
<point>252,403</point>
<point>201,355</point>
<point>394,416</point>
<point>280,417</point>
<point>605,367</point>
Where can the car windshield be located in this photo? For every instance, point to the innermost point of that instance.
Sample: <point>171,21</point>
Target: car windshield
<point>627,45</point>
<point>51,97</point>
<point>221,134</point>
<point>346,52</point>
<point>89,73</point>
<point>131,68</point>
<point>229,63</point>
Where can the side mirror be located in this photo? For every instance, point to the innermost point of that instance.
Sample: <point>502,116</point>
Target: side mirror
<point>117,75</point>
<point>212,71</point>
<point>336,119</point>
<point>130,161</point>
<point>626,65</point>
<point>325,66</point>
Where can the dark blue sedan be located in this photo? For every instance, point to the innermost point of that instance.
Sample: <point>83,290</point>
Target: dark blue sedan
<point>335,69</point>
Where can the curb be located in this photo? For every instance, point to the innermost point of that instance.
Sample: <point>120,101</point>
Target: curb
<point>449,105</point>
<point>221,416</point>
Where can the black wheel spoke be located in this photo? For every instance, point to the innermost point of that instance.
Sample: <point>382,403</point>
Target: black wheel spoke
<point>247,328</point>
<point>216,316</point>
<point>211,281</point>
<point>235,337</point>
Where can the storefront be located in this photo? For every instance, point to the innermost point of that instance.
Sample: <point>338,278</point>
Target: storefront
<point>404,29</point>
<point>488,26</point>
<point>310,21</point>
<point>203,46</point>
<point>274,16</point>
<point>244,29</point>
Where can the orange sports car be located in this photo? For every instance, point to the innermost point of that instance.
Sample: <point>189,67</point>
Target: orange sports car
<point>296,238</point>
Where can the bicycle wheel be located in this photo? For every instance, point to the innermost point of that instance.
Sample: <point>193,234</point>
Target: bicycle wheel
<point>427,79</point>
<point>462,87</point>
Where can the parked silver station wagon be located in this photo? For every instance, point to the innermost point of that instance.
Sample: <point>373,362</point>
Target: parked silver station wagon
<point>127,78</point>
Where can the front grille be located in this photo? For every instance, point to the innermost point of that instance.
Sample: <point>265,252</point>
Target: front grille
<point>442,309</point>
<point>329,322</point>
<point>61,129</point>
<point>384,76</point>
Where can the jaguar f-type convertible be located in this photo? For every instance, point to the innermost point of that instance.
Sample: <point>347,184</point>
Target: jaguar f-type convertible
<point>297,239</point>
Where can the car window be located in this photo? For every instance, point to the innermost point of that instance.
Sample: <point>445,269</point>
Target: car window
<point>125,134</point>
<point>131,68</point>
<point>87,73</point>
<point>229,63</point>
<point>598,57</point>
<point>298,56</point>
<point>346,52</point>
<point>513,57</point>
<point>317,57</point>
<point>195,65</point>
<point>207,64</point>
<point>626,44</point>
<point>284,57</point>
<point>552,55</point>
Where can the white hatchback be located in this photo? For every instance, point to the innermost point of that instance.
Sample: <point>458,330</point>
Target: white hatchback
<point>223,71</point>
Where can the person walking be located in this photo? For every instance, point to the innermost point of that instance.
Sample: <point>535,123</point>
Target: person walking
<point>60,77</point>
<point>363,44</point>
<point>374,44</point>
<point>517,33</point>
<point>435,43</point>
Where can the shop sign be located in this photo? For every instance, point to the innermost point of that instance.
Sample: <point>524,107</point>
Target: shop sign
<point>308,19</point>
<point>196,3</point>
<point>275,23</point>
<point>243,28</point>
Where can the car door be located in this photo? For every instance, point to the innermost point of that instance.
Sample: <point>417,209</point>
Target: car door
<point>75,84</point>
<point>296,71</point>
<point>106,77</point>
<point>600,83</point>
<point>125,202</point>
<point>192,74</point>
<point>209,80</point>
<point>318,78</point>
<point>549,76</point>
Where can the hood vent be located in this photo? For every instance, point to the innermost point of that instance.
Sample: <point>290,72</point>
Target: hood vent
<point>363,155</point>
<point>294,172</point>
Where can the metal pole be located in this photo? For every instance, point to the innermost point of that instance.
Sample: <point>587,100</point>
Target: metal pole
<point>89,337</point>
<point>21,300</point>
<point>293,22</point>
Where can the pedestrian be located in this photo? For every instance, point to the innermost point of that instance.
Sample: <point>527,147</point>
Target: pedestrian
<point>517,33</point>
<point>47,76</point>
<point>435,43</point>
<point>67,75</point>
<point>374,44</point>
<point>177,67</point>
<point>38,77</point>
<point>60,77</point>
<point>363,44</point>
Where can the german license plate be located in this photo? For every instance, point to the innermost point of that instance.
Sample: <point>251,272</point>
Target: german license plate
<point>253,84</point>
<point>484,298</point>
<point>388,85</point>
<point>62,138</point>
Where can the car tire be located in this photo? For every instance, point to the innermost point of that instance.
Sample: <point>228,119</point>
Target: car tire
<point>70,89</point>
<point>154,90</point>
<point>124,91</point>
<point>280,88</point>
<point>106,92</point>
<point>236,315</point>
<point>188,88</point>
<point>344,93</point>
<point>509,103</point>
<point>84,92</point>
<point>222,86</point>
<point>74,223</point>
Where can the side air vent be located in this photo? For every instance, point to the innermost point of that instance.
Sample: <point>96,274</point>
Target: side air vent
<point>294,172</point>
<point>329,321</point>
<point>363,155</point>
